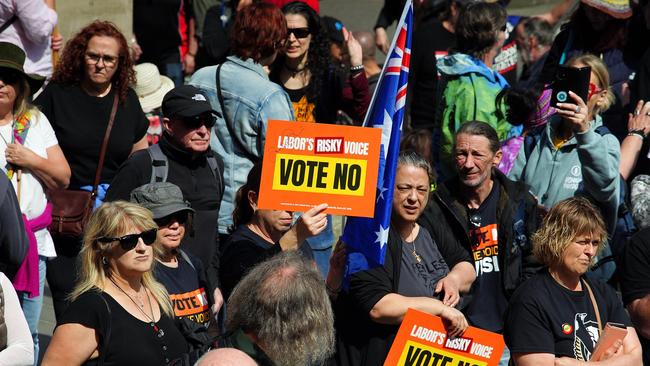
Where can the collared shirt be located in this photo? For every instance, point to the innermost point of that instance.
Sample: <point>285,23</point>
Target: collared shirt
<point>31,32</point>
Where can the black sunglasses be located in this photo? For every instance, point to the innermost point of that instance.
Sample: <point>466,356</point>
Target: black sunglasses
<point>9,76</point>
<point>298,32</point>
<point>207,120</point>
<point>128,242</point>
<point>180,217</point>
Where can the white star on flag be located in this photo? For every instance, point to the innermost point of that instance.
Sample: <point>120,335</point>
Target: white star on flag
<point>382,236</point>
<point>381,193</point>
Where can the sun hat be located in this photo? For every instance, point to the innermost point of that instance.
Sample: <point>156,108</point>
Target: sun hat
<point>619,9</point>
<point>161,198</point>
<point>13,57</point>
<point>151,87</point>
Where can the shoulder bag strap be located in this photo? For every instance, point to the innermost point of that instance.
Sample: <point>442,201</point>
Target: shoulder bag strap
<point>102,153</point>
<point>231,131</point>
<point>9,22</point>
<point>594,304</point>
<point>107,335</point>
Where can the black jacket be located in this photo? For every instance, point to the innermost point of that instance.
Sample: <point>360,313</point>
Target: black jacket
<point>199,186</point>
<point>13,239</point>
<point>446,218</point>
<point>361,341</point>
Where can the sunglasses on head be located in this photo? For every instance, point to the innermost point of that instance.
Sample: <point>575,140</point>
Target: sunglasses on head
<point>298,32</point>
<point>128,242</point>
<point>9,76</point>
<point>207,120</point>
<point>180,217</point>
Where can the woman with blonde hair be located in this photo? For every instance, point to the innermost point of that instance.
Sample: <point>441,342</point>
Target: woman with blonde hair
<point>119,314</point>
<point>574,153</point>
<point>557,316</point>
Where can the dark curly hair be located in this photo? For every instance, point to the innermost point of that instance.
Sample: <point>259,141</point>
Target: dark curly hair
<point>478,27</point>
<point>258,31</point>
<point>70,69</point>
<point>318,58</point>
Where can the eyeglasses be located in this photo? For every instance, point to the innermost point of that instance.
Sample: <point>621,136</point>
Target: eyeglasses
<point>298,32</point>
<point>9,77</point>
<point>180,217</point>
<point>207,120</point>
<point>128,242</point>
<point>94,58</point>
<point>593,90</point>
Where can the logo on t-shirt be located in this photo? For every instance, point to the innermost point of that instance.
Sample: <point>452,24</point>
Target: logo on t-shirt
<point>304,110</point>
<point>485,248</point>
<point>192,305</point>
<point>585,337</point>
<point>567,328</point>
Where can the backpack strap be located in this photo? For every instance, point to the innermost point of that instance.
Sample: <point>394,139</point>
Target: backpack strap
<point>187,258</point>
<point>214,168</point>
<point>159,164</point>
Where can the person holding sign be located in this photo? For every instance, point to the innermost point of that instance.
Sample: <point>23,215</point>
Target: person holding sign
<point>417,273</point>
<point>557,317</point>
<point>260,234</point>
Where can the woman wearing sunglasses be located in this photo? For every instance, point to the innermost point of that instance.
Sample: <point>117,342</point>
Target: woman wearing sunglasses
<point>573,154</point>
<point>119,314</point>
<point>557,317</point>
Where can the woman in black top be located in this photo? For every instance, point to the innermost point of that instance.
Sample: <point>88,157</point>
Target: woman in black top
<point>95,66</point>
<point>119,315</point>
<point>259,234</point>
<point>556,317</point>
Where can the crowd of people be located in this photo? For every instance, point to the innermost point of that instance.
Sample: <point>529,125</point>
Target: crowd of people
<point>132,171</point>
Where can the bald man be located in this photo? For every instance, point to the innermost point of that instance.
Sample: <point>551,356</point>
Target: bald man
<point>370,66</point>
<point>225,357</point>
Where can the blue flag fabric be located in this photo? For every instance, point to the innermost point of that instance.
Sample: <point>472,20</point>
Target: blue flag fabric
<point>366,238</point>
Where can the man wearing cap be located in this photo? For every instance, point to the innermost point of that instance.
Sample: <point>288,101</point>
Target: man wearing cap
<point>181,273</point>
<point>183,157</point>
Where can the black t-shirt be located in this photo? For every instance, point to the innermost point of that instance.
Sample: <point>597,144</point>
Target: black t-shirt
<point>420,275</point>
<point>545,317</point>
<point>80,120</point>
<point>635,276</point>
<point>243,250</point>
<point>156,26</point>
<point>489,301</point>
<point>431,41</point>
<point>187,289</point>
<point>132,341</point>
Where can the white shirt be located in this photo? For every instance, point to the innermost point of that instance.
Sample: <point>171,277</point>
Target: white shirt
<point>20,347</point>
<point>40,137</point>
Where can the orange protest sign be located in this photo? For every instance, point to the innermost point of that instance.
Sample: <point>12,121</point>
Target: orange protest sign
<point>422,341</point>
<point>306,164</point>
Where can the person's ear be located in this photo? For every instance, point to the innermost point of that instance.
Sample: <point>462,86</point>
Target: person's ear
<point>602,97</point>
<point>252,199</point>
<point>168,125</point>
<point>497,157</point>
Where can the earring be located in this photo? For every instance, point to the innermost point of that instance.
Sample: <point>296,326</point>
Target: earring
<point>104,261</point>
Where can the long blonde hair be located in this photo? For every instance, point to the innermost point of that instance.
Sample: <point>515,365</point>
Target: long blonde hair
<point>113,219</point>
<point>599,69</point>
<point>22,105</point>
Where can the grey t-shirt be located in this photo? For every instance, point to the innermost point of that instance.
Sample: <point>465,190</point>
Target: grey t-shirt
<point>420,278</point>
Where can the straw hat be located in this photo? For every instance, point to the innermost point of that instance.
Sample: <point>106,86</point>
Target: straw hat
<point>13,57</point>
<point>619,9</point>
<point>151,87</point>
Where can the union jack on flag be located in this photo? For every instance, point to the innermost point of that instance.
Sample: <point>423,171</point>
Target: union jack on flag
<point>366,238</point>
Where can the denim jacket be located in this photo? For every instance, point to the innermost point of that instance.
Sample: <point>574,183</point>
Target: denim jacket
<point>250,100</point>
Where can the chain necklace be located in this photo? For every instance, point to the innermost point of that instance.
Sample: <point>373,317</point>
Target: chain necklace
<point>415,254</point>
<point>159,332</point>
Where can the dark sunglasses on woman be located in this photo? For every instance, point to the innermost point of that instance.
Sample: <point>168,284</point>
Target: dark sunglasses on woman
<point>180,217</point>
<point>298,32</point>
<point>128,242</point>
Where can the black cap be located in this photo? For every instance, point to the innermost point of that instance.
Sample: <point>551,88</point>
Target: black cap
<point>334,28</point>
<point>186,101</point>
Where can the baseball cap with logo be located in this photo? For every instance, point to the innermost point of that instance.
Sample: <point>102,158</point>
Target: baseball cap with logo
<point>186,101</point>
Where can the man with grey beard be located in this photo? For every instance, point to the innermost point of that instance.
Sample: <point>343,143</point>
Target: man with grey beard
<point>280,314</point>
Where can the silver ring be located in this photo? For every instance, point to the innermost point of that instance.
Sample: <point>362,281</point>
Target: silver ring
<point>636,113</point>
<point>577,109</point>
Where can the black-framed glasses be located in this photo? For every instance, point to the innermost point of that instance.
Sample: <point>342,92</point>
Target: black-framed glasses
<point>128,242</point>
<point>10,76</point>
<point>207,120</point>
<point>179,217</point>
<point>108,59</point>
<point>298,32</point>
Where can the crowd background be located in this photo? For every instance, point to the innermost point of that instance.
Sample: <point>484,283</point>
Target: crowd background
<point>330,78</point>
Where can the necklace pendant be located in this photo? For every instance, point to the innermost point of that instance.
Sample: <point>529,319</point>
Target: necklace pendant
<point>417,256</point>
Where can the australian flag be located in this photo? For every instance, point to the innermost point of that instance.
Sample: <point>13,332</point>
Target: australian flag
<point>366,238</point>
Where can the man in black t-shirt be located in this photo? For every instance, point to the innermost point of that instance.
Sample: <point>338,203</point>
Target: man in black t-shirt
<point>491,217</point>
<point>635,285</point>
